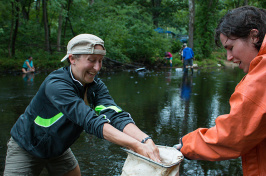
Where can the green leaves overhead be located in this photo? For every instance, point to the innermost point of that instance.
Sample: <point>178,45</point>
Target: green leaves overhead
<point>126,26</point>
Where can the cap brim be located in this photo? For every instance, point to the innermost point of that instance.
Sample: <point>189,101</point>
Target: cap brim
<point>64,58</point>
<point>101,52</point>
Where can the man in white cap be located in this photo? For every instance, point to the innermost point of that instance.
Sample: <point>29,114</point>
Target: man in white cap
<point>71,100</point>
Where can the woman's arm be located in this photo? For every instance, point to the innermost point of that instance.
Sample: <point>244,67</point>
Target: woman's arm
<point>28,64</point>
<point>133,131</point>
<point>121,120</point>
<point>121,138</point>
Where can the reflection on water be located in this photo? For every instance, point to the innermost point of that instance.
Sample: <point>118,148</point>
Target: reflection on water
<point>165,104</point>
<point>28,77</point>
<point>186,87</point>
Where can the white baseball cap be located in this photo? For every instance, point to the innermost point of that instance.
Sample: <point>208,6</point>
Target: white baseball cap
<point>84,44</point>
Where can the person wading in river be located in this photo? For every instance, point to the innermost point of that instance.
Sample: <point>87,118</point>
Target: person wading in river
<point>70,100</point>
<point>187,56</point>
<point>242,132</point>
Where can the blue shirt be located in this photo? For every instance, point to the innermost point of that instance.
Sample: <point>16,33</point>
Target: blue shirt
<point>26,66</point>
<point>188,53</point>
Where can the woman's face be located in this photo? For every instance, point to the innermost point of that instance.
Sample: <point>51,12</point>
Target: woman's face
<point>86,67</point>
<point>240,51</point>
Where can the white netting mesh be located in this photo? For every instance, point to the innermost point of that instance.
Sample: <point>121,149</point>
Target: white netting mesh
<point>136,165</point>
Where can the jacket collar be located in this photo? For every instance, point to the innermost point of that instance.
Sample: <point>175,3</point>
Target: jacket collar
<point>263,47</point>
<point>72,76</point>
<point>77,81</point>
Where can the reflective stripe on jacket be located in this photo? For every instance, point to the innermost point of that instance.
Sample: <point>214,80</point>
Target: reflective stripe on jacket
<point>57,114</point>
<point>242,132</point>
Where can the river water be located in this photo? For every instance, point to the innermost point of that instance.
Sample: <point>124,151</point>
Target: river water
<point>165,104</point>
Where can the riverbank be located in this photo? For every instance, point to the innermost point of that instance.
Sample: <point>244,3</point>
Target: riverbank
<point>14,65</point>
<point>229,64</point>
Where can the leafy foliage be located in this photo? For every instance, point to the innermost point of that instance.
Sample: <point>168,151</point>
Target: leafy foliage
<point>205,27</point>
<point>126,26</point>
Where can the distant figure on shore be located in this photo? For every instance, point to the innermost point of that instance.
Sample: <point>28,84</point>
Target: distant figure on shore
<point>168,57</point>
<point>28,66</point>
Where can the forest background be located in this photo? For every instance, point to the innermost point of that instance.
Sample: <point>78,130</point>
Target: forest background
<point>134,31</point>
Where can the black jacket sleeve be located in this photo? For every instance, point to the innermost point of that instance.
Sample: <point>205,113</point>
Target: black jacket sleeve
<point>103,104</point>
<point>65,97</point>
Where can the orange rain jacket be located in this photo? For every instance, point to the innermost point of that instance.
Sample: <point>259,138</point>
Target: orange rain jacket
<point>243,131</point>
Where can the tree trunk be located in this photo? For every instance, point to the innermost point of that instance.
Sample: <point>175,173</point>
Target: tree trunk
<point>91,2</point>
<point>246,2</point>
<point>68,7</point>
<point>59,30</point>
<point>155,11</point>
<point>46,27</point>
<point>13,33</point>
<point>37,8</point>
<point>191,4</point>
<point>25,9</point>
<point>11,30</point>
<point>73,32</point>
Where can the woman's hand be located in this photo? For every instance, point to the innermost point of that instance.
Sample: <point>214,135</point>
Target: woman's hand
<point>149,149</point>
<point>178,146</point>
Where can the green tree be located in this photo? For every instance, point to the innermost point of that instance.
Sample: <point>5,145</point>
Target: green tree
<point>205,22</point>
<point>43,27</point>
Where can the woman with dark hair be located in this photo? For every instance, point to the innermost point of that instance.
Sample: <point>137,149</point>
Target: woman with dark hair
<point>242,132</point>
<point>27,66</point>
